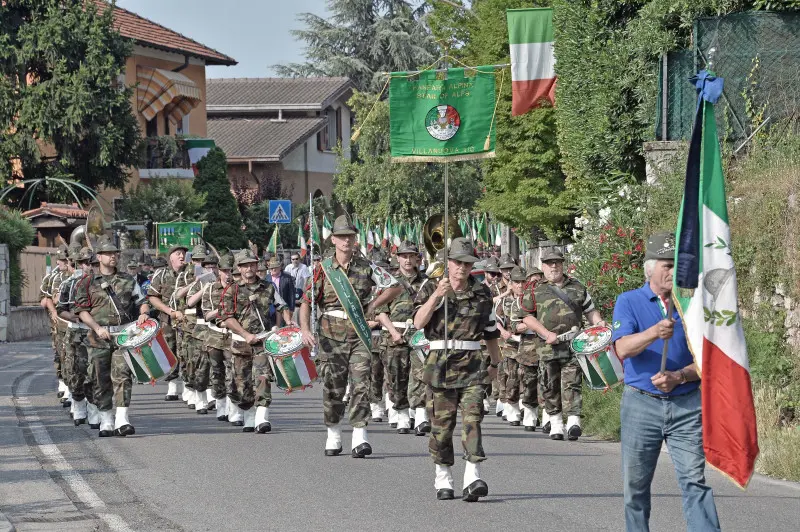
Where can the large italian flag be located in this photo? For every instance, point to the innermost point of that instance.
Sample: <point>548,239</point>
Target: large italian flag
<point>707,298</point>
<point>533,76</point>
<point>197,149</point>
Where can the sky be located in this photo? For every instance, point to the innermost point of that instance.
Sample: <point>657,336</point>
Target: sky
<point>254,32</point>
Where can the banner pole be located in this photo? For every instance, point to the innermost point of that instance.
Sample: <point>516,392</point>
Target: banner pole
<point>666,342</point>
<point>446,245</point>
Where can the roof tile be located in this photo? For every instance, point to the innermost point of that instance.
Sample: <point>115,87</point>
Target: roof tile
<point>307,93</point>
<point>61,210</point>
<point>261,138</point>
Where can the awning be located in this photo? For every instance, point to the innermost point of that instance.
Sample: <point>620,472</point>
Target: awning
<point>164,90</point>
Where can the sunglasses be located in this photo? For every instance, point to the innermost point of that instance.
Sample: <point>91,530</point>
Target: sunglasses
<point>295,258</point>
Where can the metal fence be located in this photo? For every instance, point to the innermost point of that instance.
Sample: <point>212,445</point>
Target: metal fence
<point>758,55</point>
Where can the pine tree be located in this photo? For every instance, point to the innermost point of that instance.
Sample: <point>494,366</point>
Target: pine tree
<point>224,229</point>
<point>363,38</point>
<point>59,63</point>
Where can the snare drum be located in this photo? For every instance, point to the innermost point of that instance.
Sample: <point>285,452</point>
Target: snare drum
<point>420,345</point>
<point>597,357</point>
<point>145,351</point>
<point>290,359</point>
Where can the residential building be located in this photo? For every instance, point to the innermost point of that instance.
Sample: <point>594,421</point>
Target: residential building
<point>280,128</point>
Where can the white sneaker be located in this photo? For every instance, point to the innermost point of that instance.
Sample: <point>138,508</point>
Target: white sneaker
<point>444,477</point>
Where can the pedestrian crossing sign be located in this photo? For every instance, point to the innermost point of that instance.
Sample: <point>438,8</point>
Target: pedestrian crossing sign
<point>280,211</point>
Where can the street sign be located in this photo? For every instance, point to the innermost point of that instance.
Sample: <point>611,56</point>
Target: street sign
<point>280,211</point>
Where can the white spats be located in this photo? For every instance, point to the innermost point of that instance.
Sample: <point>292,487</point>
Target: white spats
<point>334,440</point>
<point>172,388</point>
<point>471,473</point>
<point>486,404</point>
<point>556,424</point>
<point>444,478</point>
<point>250,418</point>
<point>420,417</point>
<point>545,417</point>
<point>107,420</point>
<point>79,409</point>
<point>200,402</point>
<point>93,414</point>
<point>209,396</point>
<point>403,421</point>
<point>512,412</point>
<point>498,408</point>
<point>121,419</point>
<point>62,387</point>
<point>390,409</point>
<point>222,407</point>
<point>180,387</point>
<point>377,411</point>
<point>573,421</point>
<point>359,436</point>
<point>262,415</point>
<point>529,416</point>
<point>234,413</point>
<point>66,397</point>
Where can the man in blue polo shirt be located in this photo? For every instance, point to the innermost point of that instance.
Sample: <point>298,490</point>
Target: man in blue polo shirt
<point>659,406</point>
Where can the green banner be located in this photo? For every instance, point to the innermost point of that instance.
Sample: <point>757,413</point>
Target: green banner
<point>436,120</point>
<point>349,300</point>
<point>187,234</point>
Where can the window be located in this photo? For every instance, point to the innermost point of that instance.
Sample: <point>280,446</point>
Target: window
<point>329,138</point>
<point>151,129</point>
<point>183,127</point>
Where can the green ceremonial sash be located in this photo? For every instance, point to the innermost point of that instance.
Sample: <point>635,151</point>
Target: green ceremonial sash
<point>349,300</point>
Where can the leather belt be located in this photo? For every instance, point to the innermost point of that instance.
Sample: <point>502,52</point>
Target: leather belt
<point>342,315</point>
<point>461,345</point>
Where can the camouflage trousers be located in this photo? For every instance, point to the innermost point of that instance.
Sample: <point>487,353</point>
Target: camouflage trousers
<point>522,383</point>
<point>499,383</point>
<point>417,390</point>
<point>561,386</point>
<point>187,358</point>
<point>338,361</point>
<point>170,337</point>
<point>201,365</point>
<point>443,407</point>
<point>76,364</point>
<point>396,359</point>
<point>113,380</point>
<point>378,374</point>
<point>252,381</point>
<point>57,334</point>
<point>221,375</point>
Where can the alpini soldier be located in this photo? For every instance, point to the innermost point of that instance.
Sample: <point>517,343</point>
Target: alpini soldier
<point>244,310</point>
<point>342,286</point>
<point>76,358</point>
<point>494,281</point>
<point>200,333</point>
<point>49,291</point>
<point>559,306</point>
<point>188,344</point>
<point>456,371</point>
<point>161,295</point>
<point>397,320</point>
<point>108,301</point>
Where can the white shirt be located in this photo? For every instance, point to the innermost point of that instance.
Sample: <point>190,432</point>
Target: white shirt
<point>300,273</point>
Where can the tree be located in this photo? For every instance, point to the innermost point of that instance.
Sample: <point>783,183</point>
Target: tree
<point>224,228</point>
<point>361,39</point>
<point>62,113</point>
<point>163,200</point>
<point>17,233</point>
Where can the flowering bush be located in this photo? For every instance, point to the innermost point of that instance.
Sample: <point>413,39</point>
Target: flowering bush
<point>608,252</point>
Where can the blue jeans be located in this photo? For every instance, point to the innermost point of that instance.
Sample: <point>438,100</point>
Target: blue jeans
<point>646,423</point>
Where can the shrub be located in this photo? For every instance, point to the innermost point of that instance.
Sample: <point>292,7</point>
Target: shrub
<point>17,233</point>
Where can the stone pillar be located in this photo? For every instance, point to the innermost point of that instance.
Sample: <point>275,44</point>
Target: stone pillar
<point>509,242</point>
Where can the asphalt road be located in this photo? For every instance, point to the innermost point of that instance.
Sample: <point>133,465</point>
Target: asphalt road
<point>183,471</point>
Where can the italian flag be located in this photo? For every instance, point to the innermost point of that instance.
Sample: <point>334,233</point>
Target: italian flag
<point>294,372</point>
<point>301,241</point>
<point>327,228</point>
<point>707,298</point>
<point>152,361</point>
<point>197,149</point>
<point>533,77</point>
<point>272,247</point>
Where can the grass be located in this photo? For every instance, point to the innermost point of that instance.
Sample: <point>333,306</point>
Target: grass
<point>779,443</point>
<point>601,413</point>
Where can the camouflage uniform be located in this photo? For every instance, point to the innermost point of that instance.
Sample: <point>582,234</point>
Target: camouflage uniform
<point>49,289</point>
<point>341,352</point>
<point>218,346</point>
<point>112,375</point>
<point>560,374</point>
<point>187,345</point>
<point>163,285</point>
<point>456,381</point>
<point>249,305</point>
<point>202,367</point>
<point>520,355</point>
<point>76,357</point>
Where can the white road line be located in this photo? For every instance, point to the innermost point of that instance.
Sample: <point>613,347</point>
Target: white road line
<point>74,480</point>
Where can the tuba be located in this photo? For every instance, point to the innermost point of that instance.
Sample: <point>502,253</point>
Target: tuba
<point>433,234</point>
<point>88,233</point>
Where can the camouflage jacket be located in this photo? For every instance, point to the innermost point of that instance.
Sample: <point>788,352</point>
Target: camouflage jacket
<point>249,305</point>
<point>91,296</point>
<point>66,303</point>
<point>472,318</point>
<point>556,315</point>
<point>523,347</point>
<point>186,278</point>
<point>51,283</point>
<point>359,274</point>
<point>164,285</point>
<point>212,295</point>
<point>401,308</point>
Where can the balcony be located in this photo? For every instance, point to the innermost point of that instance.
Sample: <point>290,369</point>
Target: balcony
<point>165,156</point>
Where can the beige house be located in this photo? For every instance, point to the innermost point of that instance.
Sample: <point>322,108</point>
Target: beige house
<point>287,128</point>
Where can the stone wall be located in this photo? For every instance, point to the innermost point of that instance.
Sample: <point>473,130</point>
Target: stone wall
<point>5,293</point>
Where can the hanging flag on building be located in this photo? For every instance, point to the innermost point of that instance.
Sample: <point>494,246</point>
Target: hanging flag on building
<point>197,149</point>
<point>272,247</point>
<point>437,120</point>
<point>533,76</point>
<point>706,296</point>
<point>301,241</point>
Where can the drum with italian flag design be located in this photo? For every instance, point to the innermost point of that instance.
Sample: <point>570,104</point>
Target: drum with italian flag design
<point>145,351</point>
<point>597,357</point>
<point>290,359</point>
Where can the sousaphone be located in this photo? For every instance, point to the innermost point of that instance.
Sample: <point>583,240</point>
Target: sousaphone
<point>433,235</point>
<point>87,234</point>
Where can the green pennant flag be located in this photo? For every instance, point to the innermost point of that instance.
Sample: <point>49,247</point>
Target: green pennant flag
<point>327,228</point>
<point>437,120</point>
<point>272,247</point>
<point>483,230</point>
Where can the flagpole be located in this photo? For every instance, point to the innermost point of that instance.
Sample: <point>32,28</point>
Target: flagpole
<point>313,317</point>
<point>446,244</point>
<point>666,342</point>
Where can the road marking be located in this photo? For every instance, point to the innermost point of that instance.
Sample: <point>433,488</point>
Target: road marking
<point>74,480</point>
